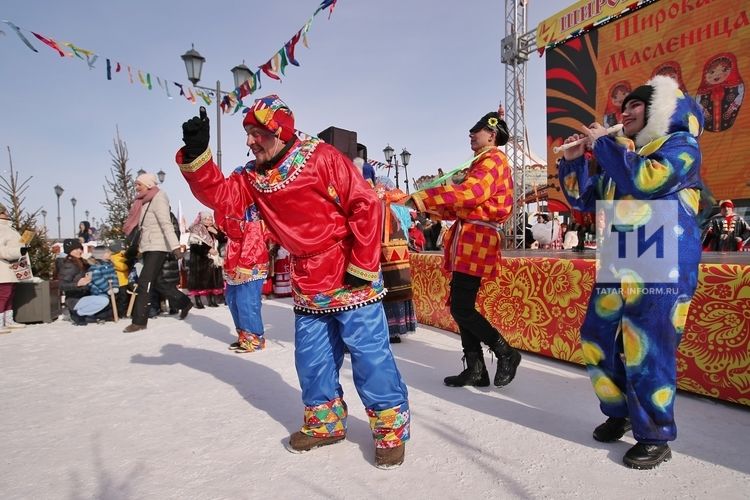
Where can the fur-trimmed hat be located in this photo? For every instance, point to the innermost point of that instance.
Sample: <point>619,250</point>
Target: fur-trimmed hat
<point>71,244</point>
<point>643,94</point>
<point>668,110</point>
<point>273,114</point>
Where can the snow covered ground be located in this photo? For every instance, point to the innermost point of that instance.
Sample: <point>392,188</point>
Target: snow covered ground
<point>170,413</point>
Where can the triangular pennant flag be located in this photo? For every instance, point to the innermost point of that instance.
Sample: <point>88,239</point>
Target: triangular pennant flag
<point>205,97</point>
<point>140,77</point>
<point>118,68</point>
<point>304,31</point>
<point>74,49</point>
<point>20,35</point>
<point>130,75</point>
<point>109,70</point>
<point>290,46</point>
<point>224,104</point>
<point>166,87</point>
<point>182,92</point>
<point>49,42</point>
<point>283,63</point>
<point>90,60</point>
<point>148,81</point>
<point>266,68</point>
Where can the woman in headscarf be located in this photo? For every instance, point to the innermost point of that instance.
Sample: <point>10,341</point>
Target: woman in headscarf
<point>204,267</point>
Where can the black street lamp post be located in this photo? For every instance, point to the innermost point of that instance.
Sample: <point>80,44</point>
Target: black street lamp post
<point>73,202</point>
<point>405,158</point>
<point>58,192</point>
<point>194,65</point>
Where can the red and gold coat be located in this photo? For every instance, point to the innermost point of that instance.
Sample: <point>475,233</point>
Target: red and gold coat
<point>479,205</point>
<point>246,255</point>
<point>317,206</point>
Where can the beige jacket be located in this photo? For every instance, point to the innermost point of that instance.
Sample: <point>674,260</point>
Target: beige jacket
<point>157,232</point>
<point>10,251</point>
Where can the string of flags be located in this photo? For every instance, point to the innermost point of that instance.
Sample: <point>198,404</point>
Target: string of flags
<point>274,68</point>
<point>378,164</point>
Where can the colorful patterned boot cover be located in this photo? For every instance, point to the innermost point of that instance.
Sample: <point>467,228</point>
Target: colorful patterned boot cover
<point>325,420</point>
<point>390,427</point>
<point>249,342</point>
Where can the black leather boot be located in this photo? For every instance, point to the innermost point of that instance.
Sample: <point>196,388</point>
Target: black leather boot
<point>647,456</point>
<point>475,373</point>
<point>508,360</point>
<point>612,430</point>
<point>212,301</point>
<point>199,302</point>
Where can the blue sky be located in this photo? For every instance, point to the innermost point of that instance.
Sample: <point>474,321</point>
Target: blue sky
<point>415,74</point>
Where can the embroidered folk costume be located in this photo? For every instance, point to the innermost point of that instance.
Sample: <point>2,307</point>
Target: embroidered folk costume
<point>727,232</point>
<point>245,270</point>
<point>318,207</point>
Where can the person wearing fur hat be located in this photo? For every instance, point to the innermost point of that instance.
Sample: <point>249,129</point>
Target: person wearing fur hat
<point>72,273</point>
<point>150,212</point>
<point>635,319</point>
<point>317,206</point>
<point>728,232</point>
<point>480,204</point>
<point>11,249</point>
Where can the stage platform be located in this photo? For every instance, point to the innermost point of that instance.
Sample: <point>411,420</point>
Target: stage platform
<point>539,299</point>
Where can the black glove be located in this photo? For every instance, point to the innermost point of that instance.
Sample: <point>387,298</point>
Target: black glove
<point>195,135</point>
<point>354,281</point>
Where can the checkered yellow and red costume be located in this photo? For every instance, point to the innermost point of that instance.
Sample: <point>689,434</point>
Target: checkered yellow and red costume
<point>482,202</point>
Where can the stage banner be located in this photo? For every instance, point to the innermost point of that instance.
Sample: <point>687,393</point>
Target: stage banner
<point>701,44</point>
<point>582,16</point>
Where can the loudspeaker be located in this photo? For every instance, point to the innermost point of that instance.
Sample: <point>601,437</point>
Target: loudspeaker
<point>343,140</point>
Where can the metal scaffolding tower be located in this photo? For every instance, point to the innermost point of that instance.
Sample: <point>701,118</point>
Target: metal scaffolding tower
<point>516,47</point>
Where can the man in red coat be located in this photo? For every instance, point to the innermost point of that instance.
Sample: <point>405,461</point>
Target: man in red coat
<point>318,207</point>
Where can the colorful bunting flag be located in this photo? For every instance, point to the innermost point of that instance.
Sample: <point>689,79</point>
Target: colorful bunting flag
<point>50,42</point>
<point>277,64</point>
<point>20,35</point>
<point>289,47</point>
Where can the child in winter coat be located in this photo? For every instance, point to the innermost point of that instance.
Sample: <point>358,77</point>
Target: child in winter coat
<point>96,306</point>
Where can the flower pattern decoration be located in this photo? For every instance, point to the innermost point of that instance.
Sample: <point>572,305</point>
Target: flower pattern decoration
<point>539,304</point>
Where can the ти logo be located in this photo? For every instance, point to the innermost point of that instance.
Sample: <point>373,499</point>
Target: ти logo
<point>638,241</point>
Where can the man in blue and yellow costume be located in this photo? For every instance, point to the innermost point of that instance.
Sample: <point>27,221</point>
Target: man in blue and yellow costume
<point>317,206</point>
<point>634,322</point>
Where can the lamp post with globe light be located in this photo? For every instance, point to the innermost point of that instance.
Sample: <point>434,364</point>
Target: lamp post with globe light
<point>194,65</point>
<point>73,202</point>
<point>405,157</point>
<point>58,192</point>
